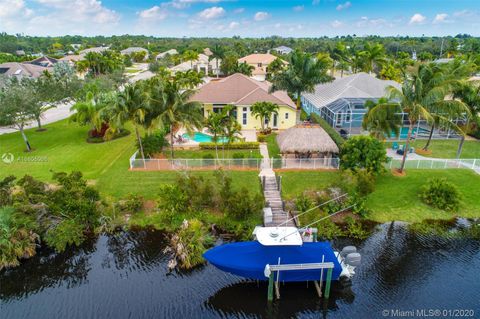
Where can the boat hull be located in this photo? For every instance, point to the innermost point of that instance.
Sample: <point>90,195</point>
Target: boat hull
<point>248,259</point>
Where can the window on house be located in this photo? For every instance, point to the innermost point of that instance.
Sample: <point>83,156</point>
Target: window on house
<point>259,65</point>
<point>286,116</point>
<point>244,118</point>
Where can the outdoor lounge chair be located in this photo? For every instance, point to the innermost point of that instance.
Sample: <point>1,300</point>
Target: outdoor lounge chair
<point>395,146</point>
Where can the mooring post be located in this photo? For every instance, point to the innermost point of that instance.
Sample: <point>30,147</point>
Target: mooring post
<point>270,287</point>
<point>327,284</point>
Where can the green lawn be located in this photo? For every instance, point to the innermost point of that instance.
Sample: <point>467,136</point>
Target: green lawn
<point>273,149</point>
<point>448,148</point>
<point>254,153</point>
<point>63,147</point>
<point>396,198</point>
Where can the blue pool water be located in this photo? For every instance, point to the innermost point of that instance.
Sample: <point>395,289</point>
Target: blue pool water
<point>203,138</point>
<point>404,132</point>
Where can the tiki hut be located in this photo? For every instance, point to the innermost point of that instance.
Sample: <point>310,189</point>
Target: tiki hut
<point>306,141</point>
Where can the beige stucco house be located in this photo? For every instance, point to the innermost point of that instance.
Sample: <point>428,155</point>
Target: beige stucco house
<point>242,92</point>
<point>260,62</point>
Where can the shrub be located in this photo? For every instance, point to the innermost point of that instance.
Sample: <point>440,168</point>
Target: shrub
<point>238,158</point>
<point>132,204</point>
<point>363,152</point>
<point>336,137</point>
<point>241,206</point>
<point>365,182</point>
<point>67,232</point>
<point>303,203</point>
<point>173,200</point>
<point>261,138</point>
<point>190,242</point>
<point>208,159</point>
<point>442,194</point>
<point>153,144</point>
<point>354,229</point>
<point>235,145</point>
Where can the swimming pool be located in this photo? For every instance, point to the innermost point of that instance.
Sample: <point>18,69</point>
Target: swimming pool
<point>404,132</point>
<point>203,138</point>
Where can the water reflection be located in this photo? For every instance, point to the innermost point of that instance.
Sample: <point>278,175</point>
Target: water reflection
<point>124,275</point>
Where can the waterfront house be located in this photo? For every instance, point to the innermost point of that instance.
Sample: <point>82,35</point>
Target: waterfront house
<point>260,62</point>
<point>342,102</point>
<point>95,49</point>
<point>242,92</point>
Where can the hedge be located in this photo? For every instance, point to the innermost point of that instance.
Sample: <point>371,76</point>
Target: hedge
<point>336,137</point>
<point>232,146</point>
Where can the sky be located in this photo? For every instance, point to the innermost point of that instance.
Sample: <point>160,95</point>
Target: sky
<point>245,18</point>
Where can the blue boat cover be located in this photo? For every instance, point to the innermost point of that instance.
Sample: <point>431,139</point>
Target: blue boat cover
<point>248,259</point>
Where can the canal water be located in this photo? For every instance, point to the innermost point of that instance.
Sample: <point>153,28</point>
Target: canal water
<point>125,275</point>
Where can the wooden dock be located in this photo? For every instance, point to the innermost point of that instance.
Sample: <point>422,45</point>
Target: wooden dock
<point>273,197</point>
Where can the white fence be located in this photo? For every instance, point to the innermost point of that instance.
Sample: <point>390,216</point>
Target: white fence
<point>196,164</point>
<point>436,163</point>
<point>305,163</point>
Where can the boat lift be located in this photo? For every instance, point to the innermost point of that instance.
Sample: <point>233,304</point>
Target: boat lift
<point>271,269</point>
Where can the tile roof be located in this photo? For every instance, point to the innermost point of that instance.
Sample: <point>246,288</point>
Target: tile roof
<point>254,59</point>
<point>239,89</point>
<point>359,85</point>
<point>22,69</point>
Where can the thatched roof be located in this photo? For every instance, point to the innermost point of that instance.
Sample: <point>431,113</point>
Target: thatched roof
<point>306,138</point>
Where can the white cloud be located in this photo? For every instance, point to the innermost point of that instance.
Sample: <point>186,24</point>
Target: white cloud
<point>181,4</point>
<point>12,9</point>
<point>154,13</point>
<point>233,25</point>
<point>344,6</point>
<point>212,13</point>
<point>440,18</point>
<point>239,10</point>
<point>336,24</point>
<point>261,15</point>
<point>417,18</point>
<point>463,13</point>
<point>298,8</point>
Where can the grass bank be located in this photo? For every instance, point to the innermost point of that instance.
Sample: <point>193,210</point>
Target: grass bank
<point>63,147</point>
<point>396,198</point>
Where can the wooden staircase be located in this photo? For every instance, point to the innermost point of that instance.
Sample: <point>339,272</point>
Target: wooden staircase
<point>274,201</point>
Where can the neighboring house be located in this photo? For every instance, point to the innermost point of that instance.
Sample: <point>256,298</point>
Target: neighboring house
<point>131,50</point>
<point>260,62</point>
<point>283,49</point>
<point>164,54</point>
<point>72,59</point>
<point>202,64</point>
<point>76,46</point>
<point>342,102</point>
<point>20,52</point>
<point>96,50</point>
<point>207,52</point>
<point>242,92</point>
<point>44,61</point>
<point>21,70</point>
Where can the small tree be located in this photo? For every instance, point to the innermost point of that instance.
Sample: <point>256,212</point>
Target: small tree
<point>215,123</point>
<point>17,108</point>
<point>363,152</point>
<point>442,194</point>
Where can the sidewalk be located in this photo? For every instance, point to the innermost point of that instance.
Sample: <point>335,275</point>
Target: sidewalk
<point>266,169</point>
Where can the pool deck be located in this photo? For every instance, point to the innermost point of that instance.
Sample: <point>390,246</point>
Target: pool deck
<point>249,135</point>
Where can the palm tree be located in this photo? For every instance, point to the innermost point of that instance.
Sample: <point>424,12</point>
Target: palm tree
<point>264,111</point>
<point>439,81</point>
<point>411,98</point>
<point>374,55</point>
<point>244,68</point>
<point>191,56</point>
<point>469,93</point>
<point>173,108</point>
<point>131,106</point>
<point>218,53</point>
<point>302,75</point>
<point>215,123</point>
<point>189,79</point>
<point>386,122</point>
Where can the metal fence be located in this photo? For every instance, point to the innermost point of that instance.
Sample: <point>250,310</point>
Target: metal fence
<point>473,164</point>
<point>196,164</point>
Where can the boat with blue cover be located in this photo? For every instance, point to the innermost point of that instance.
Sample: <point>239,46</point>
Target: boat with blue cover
<point>283,248</point>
